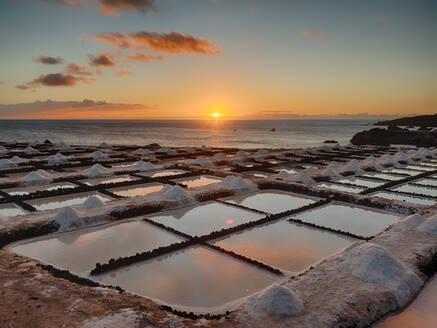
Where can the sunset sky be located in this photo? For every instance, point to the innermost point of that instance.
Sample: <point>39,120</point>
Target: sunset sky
<point>243,59</point>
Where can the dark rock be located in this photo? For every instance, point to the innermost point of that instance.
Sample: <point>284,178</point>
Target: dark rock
<point>394,135</point>
<point>330,141</point>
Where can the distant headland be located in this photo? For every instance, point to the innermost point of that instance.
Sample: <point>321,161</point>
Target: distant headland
<point>420,120</point>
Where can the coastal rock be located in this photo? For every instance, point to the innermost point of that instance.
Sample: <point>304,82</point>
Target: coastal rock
<point>385,137</point>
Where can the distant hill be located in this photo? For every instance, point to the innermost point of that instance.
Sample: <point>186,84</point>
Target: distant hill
<point>421,120</point>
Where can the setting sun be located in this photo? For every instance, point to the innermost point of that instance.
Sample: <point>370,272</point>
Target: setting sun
<point>215,115</point>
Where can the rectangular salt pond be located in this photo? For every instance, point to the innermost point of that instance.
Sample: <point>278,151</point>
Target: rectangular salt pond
<point>115,179</point>
<point>271,202</point>
<point>193,277</point>
<point>340,187</point>
<point>362,182</point>
<point>356,220</point>
<point>420,168</point>
<point>78,251</point>
<point>410,199</point>
<point>137,190</point>
<point>199,181</point>
<point>62,201</point>
<point>285,245</point>
<point>28,190</point>
<point>163,173</point>
<point>11,210</point>
<point>417,190</point>
<point>429,182</point>
<point>384,176</point>
<point>206,218</point>
<point>400,171</point>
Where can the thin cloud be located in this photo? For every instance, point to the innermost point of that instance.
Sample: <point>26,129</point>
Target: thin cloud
<point>75,69</point>
<point>101,60</point>
<point>145,58</point>
<point>110,7</point>
<point>54,80</point>
<point>171,43</point>
<point>314,36</point>
<point>123,73</point>
<point>73,109</point>
<point>113,7</point>
<point>49,60</point>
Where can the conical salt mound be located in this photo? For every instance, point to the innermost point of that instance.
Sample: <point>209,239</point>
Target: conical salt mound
<point>237,182</point>
<point>37,177</point>
<point>175,193</point>
<point>103,145</point>
<point>277,300</point>
<point>3,149</point>
<point>97,170</point>
<point>302,178</point>
<point>4,163</point>
<point>262,152</point>
<point>93,201</point>
<point>144,166</point>
<point>98,155</point>
<point>241,154</point>
<point>30,150</point>
<point>330,173</point>
<point>282,175</point>
<point>16,159</point>
<point>68,218</point>
<point>202,161</point>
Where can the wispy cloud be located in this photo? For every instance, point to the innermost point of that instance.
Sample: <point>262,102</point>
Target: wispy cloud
<point>54,80</point>
<point>73,109</point>
<point>49,60</point>
<point>76,69</point>
<point>314,35</point>
<point>123,73</point>
<point>101,60</point>
<point>110,7</point>
<point>171,43</point>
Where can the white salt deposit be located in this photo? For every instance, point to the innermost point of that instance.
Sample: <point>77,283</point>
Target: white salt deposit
<point>374,264</point>
<point>219,157</point>
<point>55,159</point>
<point>97,155</point>
<point>283,175</point>
<point>386,160</point>
<point>103,145</point>
<point>144,166</point>
<point>37,177</point>
<point>68,218</point>
<point>189,149</point>
<point>413,220</point>
<point>175,193</point>
<point>30,150</point>
<point>97,170</point>
<point>262,152</point>
<point>126,318</point>
<point>241,154</point>
<point>301,178</point>
<point>276,300</point>
<point>5,163</point>
<point>166,150</point>
<point>3,149</point>
<point>352,166</point>
<point>17,159</point>
<point>310,170</point>
<point>330,173</point>
<point>143,152</point>
<point>202,161</point>
<point>93,201</point>
<point>238,183</point>
<point>372,163</point>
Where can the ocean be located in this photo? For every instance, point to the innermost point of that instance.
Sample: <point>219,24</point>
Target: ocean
<point>218,133</point>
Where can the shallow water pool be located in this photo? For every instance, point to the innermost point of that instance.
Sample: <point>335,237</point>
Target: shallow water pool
<point>205,218</point>
<point>385,176</point>
<point>340,187</point>
<point>137,190</point>
<point>410,199</point>
<point>285,245</point>
<point>28,190</point>
<point>61,201</point>
<point>11,210</point>
<point>271,202</point>
<point>194,277</point>
<point>417,190</point>
<point>356,220</point>
<point>199,181</point>
<point>79,251</point>
<point>362,182</point>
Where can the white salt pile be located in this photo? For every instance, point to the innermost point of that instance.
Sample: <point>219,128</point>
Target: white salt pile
<point>310,150</point>
<point>97,170</point>
<point>93,201</point>
<point>262,152</point>
<point>336,146</point>
<point>202,161</point>
<point>37,177</point>
<point>374,264</point>
<point>310,170</point>
<point>219,157</point>
<point>55,159</point>
<point>176,193</point>
<point>401,157</point>
<point>238,183</point>
<point>29,150</point>
<point>17,159</point>
<point>241,154</point>
<point>144,166</point>
<point>103,145</point>
<point>415,155</point>
<point>425,152</point>
<point>330,173</point>
<point>371,163</point>
<point>189,149</point>
<point>301,178</point>
<point>97,155</point>
<point>126,318</point>
<point>352,166</point>
<point>282,175</point>
<point>166,150</point>
<point>64,147</point>
<point>143,152</point>
<point>5,163</point>
<point>3,149</point>
<point>276,300</point>
<point>68,218</point>
<point>386,160</point>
